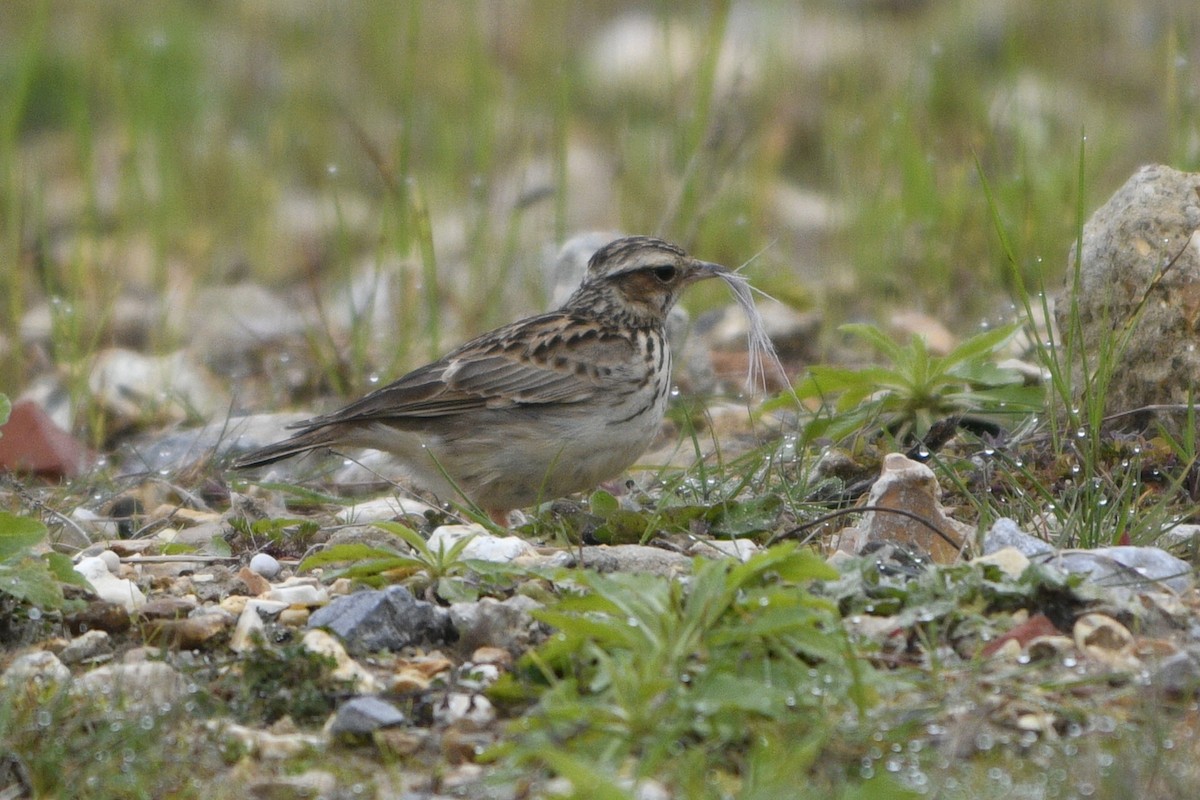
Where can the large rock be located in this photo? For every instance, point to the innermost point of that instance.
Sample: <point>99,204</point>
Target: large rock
<point>1141,245</point>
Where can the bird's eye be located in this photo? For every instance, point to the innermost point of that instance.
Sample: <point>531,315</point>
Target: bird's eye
<point>665,274</point>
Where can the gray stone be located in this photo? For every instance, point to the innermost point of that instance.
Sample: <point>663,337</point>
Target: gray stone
<point>1141,245</point>
<point>505,624</point>
<point>88,646</point>
<point>1130,567</point>
<point>387,619</point>
<point>363,715</point>
<point>1006,533</point>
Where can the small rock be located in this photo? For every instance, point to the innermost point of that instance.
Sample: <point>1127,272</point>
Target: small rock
<point>99,615</point>
<point>35,669</point>
<point>911,486</point>
<point>1045,648</point>
<point>251,629</point>
<point>265,565</point>
<point>145,685</point>
<point>111,560</point>
<point>346,669</point>
<point>492,655</point>
<point>31,442</point>
<point>483,546</point>
<point>1107,641</point>
<point>382,509</point>
<point>741,549</point>
<point>458,707</point>
<point>1006,533</point>
<point>256,585</point>
<point>1129,566</point>
<point>107,586</point>
<point>1011,561</point>
<point>387,619</point>
<point>165,608</point>
<point>88,646</point>
<point>132,386</point>
<point>635,558</point>
<point>1148,223</point>
<point>299,595</point>
<point>364,715</point>
<point>294,617</point>
<point>505,625</point>
<point>184,634</point>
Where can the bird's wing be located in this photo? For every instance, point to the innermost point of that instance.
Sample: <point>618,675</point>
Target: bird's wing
<point>555,358</point>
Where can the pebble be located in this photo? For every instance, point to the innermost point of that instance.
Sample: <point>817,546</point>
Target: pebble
<point>111,560</point>
<point>384,619</point>
<point>294,617</point>
<point>741,549</point>
<point>1011,561</point>
<point>1105,640</point>
<point>88,646</point>
<point>251,628</point>
<point>265,565</point>
<point>382,509</point>
<point>109,587</point>
<point>299,595</point>
<point>346,668</point>
<point>503,626</point>
<point>457,707</point>
<point>484,546</point>
<point>41,668</point>
<point>256,585</point>
<point>363,715</point>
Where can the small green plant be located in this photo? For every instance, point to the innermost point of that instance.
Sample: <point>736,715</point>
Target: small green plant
<point>98,752</point>
<point>379,566</point>
<point>917,388</point>
<point>292,681</point>
<point>27,576</point>
<point>650,677</point>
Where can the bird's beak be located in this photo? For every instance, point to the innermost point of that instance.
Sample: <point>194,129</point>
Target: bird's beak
<point>706,269</point>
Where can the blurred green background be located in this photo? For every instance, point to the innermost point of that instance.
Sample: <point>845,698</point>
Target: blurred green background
<point>151,150</point>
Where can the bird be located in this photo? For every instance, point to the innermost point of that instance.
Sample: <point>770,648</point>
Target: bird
<point>537,409</point>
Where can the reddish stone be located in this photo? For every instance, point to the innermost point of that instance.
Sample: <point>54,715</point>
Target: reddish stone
<point>31,442</point>
<point>1027,631</point>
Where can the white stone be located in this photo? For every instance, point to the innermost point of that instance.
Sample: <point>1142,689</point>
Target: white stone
<point>741,549</point>
<point>112,560</point>
<point>249,630</point>
<point>483,547</point>
<point>109,587</point>
<point>460,706</point>
<point>382,509</point>
<point>265,565</point>
<point>37,668</point>
<point>299,595</point>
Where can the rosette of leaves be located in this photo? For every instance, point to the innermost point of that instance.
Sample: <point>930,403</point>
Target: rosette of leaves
<point>917,388</point>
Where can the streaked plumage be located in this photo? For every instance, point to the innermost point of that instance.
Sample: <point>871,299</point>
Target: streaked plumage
<point>543,407</point>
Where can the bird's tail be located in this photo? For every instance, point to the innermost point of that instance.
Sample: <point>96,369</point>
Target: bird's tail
<point>303,442</point>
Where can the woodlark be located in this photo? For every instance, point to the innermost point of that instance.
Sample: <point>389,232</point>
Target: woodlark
<point>546,406</point>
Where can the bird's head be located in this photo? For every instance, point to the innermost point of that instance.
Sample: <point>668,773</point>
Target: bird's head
<point>640,276</point>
